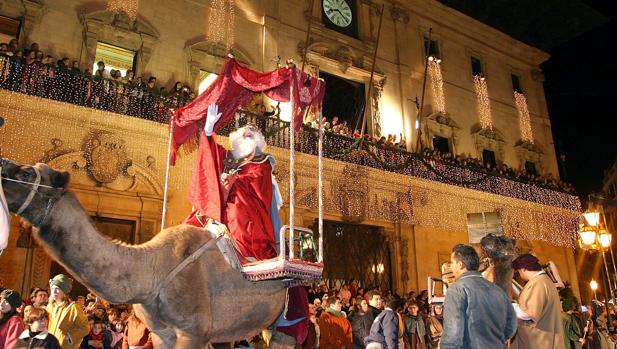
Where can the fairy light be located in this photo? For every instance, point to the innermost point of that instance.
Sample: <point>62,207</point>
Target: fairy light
<point>370,184</point>
<point>434,69</point>
<point>484,104</point>
<point>524,119</point>
<point>129,7</point>
<point>221,22</point>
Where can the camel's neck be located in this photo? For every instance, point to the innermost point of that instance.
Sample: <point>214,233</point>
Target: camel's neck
<point>105,267</point>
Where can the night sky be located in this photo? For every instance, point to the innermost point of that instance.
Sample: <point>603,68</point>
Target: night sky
<point>581,97</point>
<point>580,76</point>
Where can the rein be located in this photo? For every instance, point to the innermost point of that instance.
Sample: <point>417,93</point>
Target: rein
<point>36,185</point>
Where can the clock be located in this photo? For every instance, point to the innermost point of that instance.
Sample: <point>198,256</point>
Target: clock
<point>338,12</point>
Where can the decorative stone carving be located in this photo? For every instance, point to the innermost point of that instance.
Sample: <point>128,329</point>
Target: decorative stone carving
<point>376,92</point>
<point>210,56</point>
<point>104,162</point>
<point>119,29</point>
<point>490,139</point>
<point>30,10</point>
<point>442,125</point>
<point>399,14</point>
<point>527,151</point>
<point>106,157</point>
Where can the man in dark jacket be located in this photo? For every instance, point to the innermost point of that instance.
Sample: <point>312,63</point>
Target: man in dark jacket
<point>477,313</point>
<point>385,330</point>
<point>358,324</point>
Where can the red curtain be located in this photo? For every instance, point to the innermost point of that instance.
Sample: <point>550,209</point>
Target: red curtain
<point>234,88</point>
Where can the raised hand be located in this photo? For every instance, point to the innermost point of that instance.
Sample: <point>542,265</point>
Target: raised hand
<point>212,117</point>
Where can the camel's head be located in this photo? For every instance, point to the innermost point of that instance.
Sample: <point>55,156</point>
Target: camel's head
<point>31,191</point>
<point>498,248</point>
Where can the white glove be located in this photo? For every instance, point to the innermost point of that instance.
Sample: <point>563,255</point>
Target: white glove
<point>211,119</point>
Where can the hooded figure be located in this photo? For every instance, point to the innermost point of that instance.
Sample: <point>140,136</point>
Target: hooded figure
<point>241,191</point>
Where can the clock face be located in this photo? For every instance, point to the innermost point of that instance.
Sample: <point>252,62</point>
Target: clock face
<point>338,12</point>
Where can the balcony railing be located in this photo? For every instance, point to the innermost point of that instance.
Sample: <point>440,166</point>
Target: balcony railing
<point>74,87</point>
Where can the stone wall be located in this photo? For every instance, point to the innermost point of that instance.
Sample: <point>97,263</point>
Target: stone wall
<point>172,45</point>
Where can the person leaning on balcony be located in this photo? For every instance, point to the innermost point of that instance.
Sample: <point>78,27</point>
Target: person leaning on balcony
<point>67,321</point>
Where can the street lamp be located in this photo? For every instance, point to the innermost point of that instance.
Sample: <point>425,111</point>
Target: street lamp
<point>594,286</point>
<point>592,236</point>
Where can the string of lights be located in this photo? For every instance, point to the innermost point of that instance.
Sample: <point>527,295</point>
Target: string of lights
<point>129,7</point>
<point>221,22</point>
<point>434,69</point>
<point>414,195</point>
<point>484,103</point>
<point>524,119</point>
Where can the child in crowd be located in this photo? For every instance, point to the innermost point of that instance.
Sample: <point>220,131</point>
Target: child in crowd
<point>36,335</point>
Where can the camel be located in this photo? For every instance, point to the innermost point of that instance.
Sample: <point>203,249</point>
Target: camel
<point>206,302</point>
<point>499,251</point>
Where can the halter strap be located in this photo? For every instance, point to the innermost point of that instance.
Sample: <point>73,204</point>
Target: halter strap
<point>33,191</point>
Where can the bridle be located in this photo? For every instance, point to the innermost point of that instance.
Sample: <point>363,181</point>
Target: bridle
<point>36,185</point>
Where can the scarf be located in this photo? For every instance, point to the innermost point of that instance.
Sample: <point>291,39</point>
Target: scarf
<point>334,312</point>
<point>415,325</point>
<point>435,327</point>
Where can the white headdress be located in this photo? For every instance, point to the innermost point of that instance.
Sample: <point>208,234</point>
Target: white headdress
<point>245,141</point>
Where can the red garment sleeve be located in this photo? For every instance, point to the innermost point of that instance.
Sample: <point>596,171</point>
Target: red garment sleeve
<point>258,181</point>
<point>205,190</point>
<point>14,329</point>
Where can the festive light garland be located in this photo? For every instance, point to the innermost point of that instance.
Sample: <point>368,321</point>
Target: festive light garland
<point>524,119</point>
<point>221,23</point>
<point>354,188</point>
<point>484,103</point>
<point>129,7</point>
<point>434,69</point>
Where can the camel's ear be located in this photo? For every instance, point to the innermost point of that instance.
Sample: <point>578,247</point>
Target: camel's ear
<point>60,179</point>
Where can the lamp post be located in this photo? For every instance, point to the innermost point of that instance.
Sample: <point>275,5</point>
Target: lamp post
<point>594,286</point>
<point>592,236</point>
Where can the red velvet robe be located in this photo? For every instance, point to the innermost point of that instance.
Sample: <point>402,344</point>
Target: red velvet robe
<point>246,212</point>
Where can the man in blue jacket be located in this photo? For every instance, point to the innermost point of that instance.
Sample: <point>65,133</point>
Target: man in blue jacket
<point>385,329</point>
<point>477,313</point>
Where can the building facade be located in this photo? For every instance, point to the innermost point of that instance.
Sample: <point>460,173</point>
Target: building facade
<point>469,104</point>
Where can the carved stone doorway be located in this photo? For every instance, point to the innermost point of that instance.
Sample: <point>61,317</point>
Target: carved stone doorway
<point>356,252</point>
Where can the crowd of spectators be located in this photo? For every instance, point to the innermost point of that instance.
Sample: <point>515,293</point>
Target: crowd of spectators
<point>50,319</point>
<point>335,126</point>
<point>29,70</point>
<point>499,169</point>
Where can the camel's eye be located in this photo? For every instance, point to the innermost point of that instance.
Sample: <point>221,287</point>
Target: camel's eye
<point>25,175</point>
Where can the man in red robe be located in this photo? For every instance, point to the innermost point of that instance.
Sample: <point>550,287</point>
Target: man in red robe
<point>240,184</point>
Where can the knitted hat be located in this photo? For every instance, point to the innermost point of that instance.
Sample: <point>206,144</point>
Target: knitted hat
<point>12,297</point>
<point>526,261</point>
<point>63,282</point>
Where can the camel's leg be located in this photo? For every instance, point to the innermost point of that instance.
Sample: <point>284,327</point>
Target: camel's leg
<point>185,341</point>
<point>164,339</point>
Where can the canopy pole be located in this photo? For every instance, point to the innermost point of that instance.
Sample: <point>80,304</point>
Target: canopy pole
<point>292,162</point>
<point>167,169</point>
<point>421,109</point>
<point>370,82</point>
<point>308,34</point>
<point>320,186</point>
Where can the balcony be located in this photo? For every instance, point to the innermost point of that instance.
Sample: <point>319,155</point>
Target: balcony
<point>114,96</point>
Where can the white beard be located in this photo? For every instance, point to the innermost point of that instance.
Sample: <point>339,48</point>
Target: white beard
<point>246,141</point>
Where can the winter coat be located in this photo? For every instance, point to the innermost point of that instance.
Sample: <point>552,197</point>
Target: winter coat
<point>477,314</point>
<point>10,331</point>
<point>335,331</point>
<point>539,299</point>
<point>385,330</point>
<point>68,323</point>
<point>43,340</point>
<point>136,334</point>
